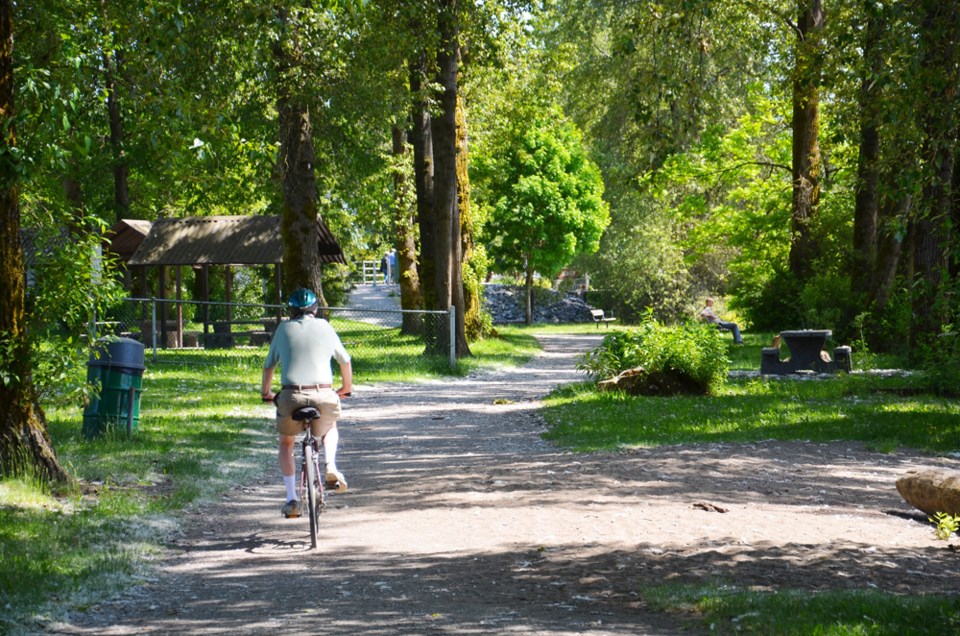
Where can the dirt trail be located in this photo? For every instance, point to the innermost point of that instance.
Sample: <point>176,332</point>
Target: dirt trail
<point>461,520</point>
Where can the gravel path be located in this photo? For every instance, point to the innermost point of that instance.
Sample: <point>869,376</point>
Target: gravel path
<point>461,520</point>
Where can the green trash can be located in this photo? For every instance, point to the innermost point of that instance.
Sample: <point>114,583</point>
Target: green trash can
<point>116,367</point>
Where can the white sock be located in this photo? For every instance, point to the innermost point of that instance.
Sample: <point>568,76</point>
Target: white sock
<point>330,442</point>
<point>290,481</point>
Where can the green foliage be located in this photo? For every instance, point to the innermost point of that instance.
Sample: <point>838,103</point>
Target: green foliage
<point>479,323</point>
<point>544,195</point>
<point>940,361</point>
<point>692,350</point>
<point>946,525</point>
<point>70,287</point>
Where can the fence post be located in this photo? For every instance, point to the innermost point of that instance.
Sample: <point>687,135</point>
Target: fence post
<point>153,325</point>
<point>453,337</point>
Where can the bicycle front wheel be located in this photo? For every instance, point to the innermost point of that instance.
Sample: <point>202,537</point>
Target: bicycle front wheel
<point>313,494</point>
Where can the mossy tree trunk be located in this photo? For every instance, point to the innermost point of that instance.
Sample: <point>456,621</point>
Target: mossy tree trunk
<point>472,286</point>
<point>807,164</point>
<point>25,447</point>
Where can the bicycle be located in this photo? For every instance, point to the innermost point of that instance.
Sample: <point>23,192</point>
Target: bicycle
<point>312,488</point>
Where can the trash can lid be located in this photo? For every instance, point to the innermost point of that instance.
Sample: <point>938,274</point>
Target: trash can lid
<point>120,352</point>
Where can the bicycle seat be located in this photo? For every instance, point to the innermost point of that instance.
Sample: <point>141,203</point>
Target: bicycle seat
<point>306,414</point>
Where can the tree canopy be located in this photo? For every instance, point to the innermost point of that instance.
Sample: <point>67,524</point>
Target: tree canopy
<point>799,160</point>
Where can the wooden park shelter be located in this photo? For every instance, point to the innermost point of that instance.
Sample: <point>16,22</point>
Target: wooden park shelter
<point>202,242</point>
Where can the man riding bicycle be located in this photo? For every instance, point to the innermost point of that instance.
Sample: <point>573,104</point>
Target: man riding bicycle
<point>303,346</point>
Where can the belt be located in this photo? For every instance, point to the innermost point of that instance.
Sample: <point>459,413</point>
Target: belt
<point>306,387</point>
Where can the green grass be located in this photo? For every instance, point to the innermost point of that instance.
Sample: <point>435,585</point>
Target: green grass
<point>884,413</point>
<point>730,610</point>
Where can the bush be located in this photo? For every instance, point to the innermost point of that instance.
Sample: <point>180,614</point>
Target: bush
<point>941,364</point>
<point>693,351</point>
<point>770,305</point>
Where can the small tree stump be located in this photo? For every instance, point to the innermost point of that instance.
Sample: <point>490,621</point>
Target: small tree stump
<point>932,490</point>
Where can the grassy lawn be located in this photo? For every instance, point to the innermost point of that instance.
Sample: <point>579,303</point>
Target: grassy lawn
<point>202,429</point>
<point>883,412</point>
<point>801,613</point>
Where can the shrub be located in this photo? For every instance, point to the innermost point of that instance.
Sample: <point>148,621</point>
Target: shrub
<point>692,350</point>
<point>941,364</point>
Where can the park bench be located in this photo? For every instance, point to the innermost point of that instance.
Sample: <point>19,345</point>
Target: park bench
<point>600,316</point>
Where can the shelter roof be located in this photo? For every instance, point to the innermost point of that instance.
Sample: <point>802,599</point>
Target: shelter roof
<point>224,240</point>
<point>126,235</point>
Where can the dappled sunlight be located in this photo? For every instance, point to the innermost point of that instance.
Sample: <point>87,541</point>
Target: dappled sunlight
<point>458,509</point>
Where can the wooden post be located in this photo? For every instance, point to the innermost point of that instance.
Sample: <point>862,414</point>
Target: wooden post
<point>228,273</point>
<point>206,299</point>
<point>179,306</point>
<point>278,268</point>
<point>162,295</point>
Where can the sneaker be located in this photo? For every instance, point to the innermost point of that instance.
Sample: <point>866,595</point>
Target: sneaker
<point>335,481</point>
<point>291,509</point>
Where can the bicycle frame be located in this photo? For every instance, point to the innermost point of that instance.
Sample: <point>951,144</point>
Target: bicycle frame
<point>312,490</point>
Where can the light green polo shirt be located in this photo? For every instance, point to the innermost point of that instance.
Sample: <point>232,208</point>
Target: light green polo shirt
<point>303,347</point>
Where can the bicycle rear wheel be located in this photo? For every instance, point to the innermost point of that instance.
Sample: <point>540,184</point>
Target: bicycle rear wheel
<point>313,494</point>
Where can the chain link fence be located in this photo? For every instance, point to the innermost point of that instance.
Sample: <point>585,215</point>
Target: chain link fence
<point>370,335</point>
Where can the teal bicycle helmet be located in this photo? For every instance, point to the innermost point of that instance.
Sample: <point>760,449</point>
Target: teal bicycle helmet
<point>302,300</point>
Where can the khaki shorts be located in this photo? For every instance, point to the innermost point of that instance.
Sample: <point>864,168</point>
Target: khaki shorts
<point>325,400</point>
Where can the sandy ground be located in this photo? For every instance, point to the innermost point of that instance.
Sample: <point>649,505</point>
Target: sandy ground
<point>461,520</point>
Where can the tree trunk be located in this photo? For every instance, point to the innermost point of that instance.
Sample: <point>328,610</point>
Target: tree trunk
<point>121,171</point>
<point>868,171</point>
<point>298,221</point>
<point>938,41</point>
<point>889,246</point>
<point>472,286</point>
<point>449,283</point>
<point>410,296</point>
<point>528,295</point>
<point>421,139</point>
<point>806,129</point>
<point>25,447</point>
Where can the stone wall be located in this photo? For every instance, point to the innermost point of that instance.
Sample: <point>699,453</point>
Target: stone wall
<point>505,304</point>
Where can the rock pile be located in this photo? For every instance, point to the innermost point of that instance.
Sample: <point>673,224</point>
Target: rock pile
<point>505,305</point>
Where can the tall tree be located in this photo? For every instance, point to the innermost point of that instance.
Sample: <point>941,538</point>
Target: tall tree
<point>546,198</point>
<point>807,163</point>
<point>25,446</point>
<point>410,296</point>
<point>112,73</point>
<point>421,138</point>
<point>296,162</point>
<point>868,163</point>
<point>448,283</point>
<point>940,46</point>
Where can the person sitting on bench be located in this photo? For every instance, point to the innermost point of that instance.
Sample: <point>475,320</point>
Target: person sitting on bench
<point>707,315</point>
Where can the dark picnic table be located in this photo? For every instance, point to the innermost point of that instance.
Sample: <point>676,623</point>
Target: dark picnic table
<point>807,354</point>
